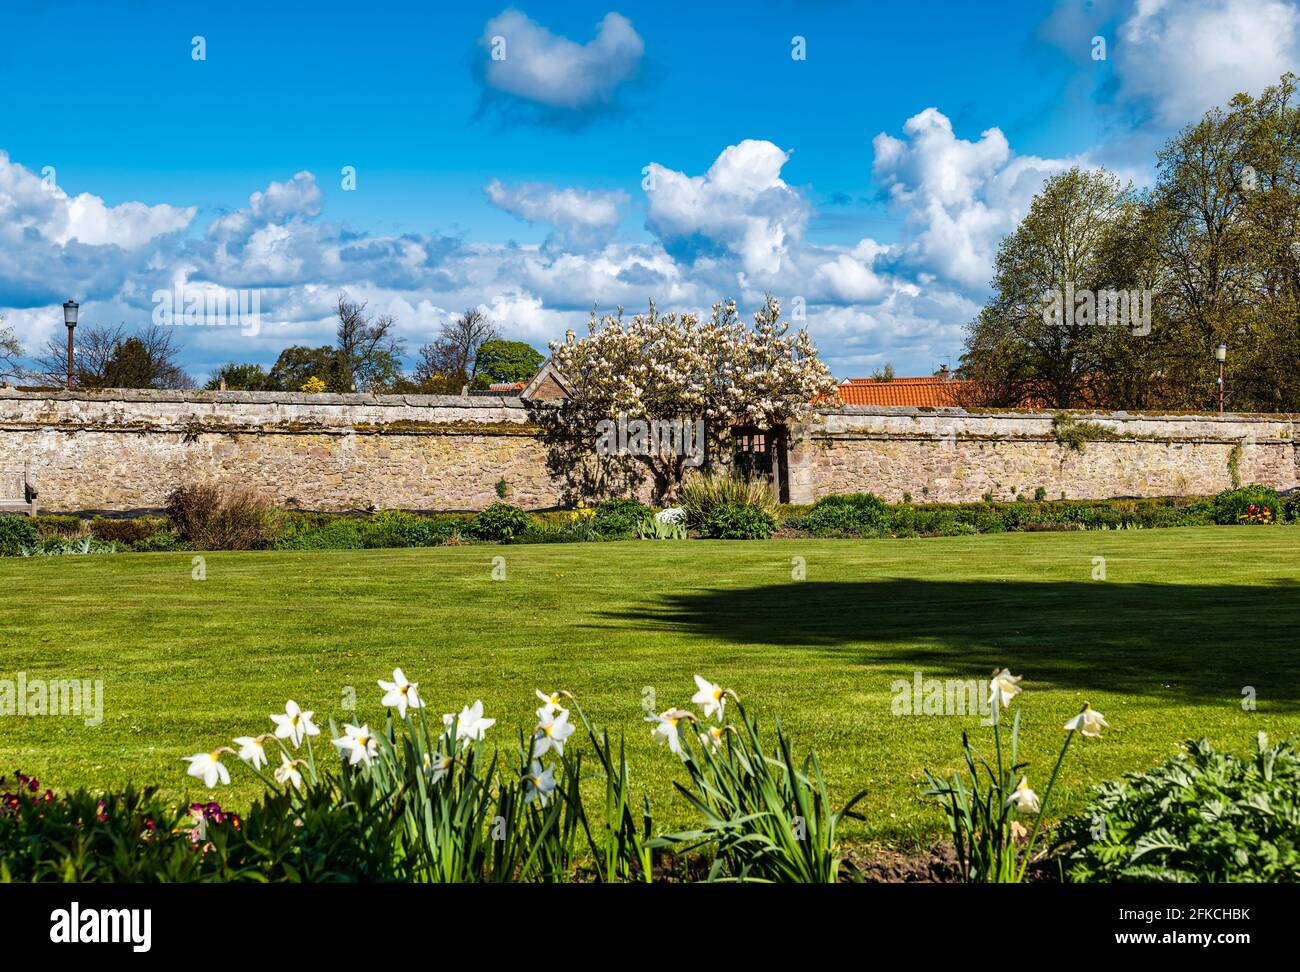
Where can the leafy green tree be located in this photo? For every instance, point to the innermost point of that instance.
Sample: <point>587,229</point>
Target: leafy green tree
<point>503,361</point>
<point>241,377</point>
<point>298,363</point>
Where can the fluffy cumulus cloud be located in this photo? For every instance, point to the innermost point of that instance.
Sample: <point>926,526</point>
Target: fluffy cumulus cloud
<point>739,208</point>
<point>523,61</point>
<point>957,197</point>
<point>1184,56</point>
<point>581,219</point>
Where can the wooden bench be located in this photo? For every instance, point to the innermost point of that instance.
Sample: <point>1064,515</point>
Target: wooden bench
<point>17,492</point>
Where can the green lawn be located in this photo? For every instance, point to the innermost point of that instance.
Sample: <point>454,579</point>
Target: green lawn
<point>1163,647</point>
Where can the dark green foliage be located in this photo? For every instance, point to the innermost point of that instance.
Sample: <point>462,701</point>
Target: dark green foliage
<point>1231,505</point>
<point>1204,816</point>
<point>500,521</point>
<point>507,361</point>
<point>860,514</point>
<point>16,533</point>
<point>738,521</point>
<point>128,532</point>
<point>56,525</point>
<point>618,519</point>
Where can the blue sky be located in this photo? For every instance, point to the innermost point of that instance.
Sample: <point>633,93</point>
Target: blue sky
<point>615,153</point>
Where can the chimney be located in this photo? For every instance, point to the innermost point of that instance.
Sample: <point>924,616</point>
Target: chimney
<point>570,336</point>
<point>943,372</point>
<point>222,385</point>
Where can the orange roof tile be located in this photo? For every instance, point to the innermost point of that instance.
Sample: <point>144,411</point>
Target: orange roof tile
<point>934,392</point>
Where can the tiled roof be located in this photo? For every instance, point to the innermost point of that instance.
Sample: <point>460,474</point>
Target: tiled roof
<point>933,392</point>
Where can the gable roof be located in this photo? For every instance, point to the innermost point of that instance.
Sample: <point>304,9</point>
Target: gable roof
<point>935,392</point>
<point>547,373</point>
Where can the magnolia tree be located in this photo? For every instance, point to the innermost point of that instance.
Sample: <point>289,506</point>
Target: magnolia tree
<point>660,393</point>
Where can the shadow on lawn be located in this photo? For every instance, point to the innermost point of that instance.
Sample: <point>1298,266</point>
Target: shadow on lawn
<point>1148,639</point>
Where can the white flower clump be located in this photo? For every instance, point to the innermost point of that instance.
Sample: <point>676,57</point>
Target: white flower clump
<point>674,514</point>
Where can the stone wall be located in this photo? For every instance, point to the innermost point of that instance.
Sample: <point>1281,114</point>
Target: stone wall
<point>125,450</point>
<point>949,455</point>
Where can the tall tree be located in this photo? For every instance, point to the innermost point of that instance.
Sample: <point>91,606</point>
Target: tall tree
<point>506,361</point>
<point>241,377</point>
<point>10,352</point>
<point>109,357</point>
<point>452,360</point>
<point>369,352</point>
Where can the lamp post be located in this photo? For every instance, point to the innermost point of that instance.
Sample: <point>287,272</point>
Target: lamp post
<point>1221,355</point>
<point>70,319</point>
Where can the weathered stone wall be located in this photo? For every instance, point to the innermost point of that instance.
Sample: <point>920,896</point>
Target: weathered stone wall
<point>949,455</point>
<point>125,450</point>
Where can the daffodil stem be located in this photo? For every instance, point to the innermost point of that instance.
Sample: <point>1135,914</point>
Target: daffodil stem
<point>1042,809</point>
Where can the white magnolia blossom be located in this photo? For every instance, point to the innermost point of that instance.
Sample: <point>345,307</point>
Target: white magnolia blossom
<point>359,743</point>
<point>400,694</point>
<point>551,732</point>
<point>539,783</point>
<point>208,767</point>
<point>295,724</point>
<point>287,772</point>
<point>1089,721</point>
<point>1003,687</point>
<point>674,367</point>
<point>666,729</point>
<point>712,699</point>
<point>251,750</point>
<point>1023,798</point>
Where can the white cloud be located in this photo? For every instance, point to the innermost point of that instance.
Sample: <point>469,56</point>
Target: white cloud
<point>1186,56</point>
<point>741,207</point>
<point>527,61</point>
<point>582,218</point>
<point>958,198</point>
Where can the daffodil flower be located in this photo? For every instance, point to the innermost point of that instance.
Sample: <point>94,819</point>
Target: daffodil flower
<point>294,724</point>
<point>712,737</point>
<point>208,767</point>
<point>1023,798</point>
<point>551,733</point>
<point>1003,687</point>
<point>711,698</point>
<point>470,724</point>
<point>665,729</point>
<point>400,694</point>
<point>539,783</point>
<point>358,743</point>
<point>437,766</point>
<point>251,750</point>
<point>1089,721</point>
<point>287,772</point>
<point>550,704</point>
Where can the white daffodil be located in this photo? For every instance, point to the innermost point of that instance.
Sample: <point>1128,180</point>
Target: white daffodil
<point>712,737</point>
<point>400,694</point>
<point>208,768</point>
<point>1089,721</point>
<point>359,744</point>
<point>1023,798</point>
<point>251,750</point>
<point>1003,687</point>
<point>287,772</point>
<point>550,704</point>
<point>294,724</point>
<point>665,729</point>
<point>551,732</point>
<point>711,698</point>
<point>437,766</point>
<point>470,724</point>
<point>539,783</point>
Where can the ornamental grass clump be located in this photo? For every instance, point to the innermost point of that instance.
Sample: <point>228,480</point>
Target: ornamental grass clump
<point>985,806</point>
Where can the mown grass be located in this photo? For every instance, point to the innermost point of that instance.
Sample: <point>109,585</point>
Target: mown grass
<point>1185,620</point>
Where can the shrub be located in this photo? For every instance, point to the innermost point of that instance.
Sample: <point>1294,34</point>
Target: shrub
<point>213,517</point>
<point>863,514</point>
<point>128,532</point>
<point>393,528</point>
<point>1203,816</point>
<point>16,534</point>
<point>619,519</point>
<point>500,521</point>
<point>343,533</point>
<point>1291,508</point>
<point>738,521</point>
<point>703,493</point>
<point>160,542</point>
<point>1232,505</point>
<point>58,525</point>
